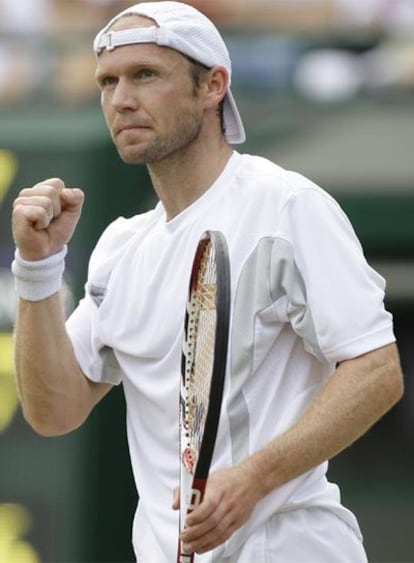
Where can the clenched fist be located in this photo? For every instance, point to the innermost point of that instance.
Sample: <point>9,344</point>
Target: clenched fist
<point>45,217</point>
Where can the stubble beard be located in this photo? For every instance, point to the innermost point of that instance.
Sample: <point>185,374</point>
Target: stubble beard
<point>166,146</point>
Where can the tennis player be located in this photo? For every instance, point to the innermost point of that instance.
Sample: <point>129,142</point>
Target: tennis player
<point>312,363</point>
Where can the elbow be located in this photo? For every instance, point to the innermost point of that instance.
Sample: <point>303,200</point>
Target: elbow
<point>45,431</point>
<point>394,382</point>
<point>398,387</point>
<point>49,426</point>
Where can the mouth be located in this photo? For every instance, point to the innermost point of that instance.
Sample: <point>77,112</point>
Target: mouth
<point>130,128</point>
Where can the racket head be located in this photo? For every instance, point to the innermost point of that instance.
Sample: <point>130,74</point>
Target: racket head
<point>203,367</point>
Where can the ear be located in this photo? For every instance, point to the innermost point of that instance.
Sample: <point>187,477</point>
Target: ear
<point>216,86</point>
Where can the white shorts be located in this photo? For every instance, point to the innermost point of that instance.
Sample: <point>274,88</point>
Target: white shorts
<point>306,535</point>
<point>311,535</point>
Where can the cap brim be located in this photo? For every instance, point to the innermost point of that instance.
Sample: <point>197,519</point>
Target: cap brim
<point>234,129</point>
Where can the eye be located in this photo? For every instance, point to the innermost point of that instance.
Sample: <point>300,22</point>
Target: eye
<point>146,73</point>
<point>107,81</point>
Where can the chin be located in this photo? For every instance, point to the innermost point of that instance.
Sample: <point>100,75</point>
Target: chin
<point>132,156</point>
<point>150,152</point>
<point>133,160</point>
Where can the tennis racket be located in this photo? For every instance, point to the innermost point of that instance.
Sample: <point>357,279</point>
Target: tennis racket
<point>203,368</point>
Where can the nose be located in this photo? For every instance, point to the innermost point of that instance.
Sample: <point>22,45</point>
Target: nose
<point>124,96</point>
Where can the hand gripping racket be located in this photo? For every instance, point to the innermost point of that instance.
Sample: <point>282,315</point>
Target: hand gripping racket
<point>203,368</point>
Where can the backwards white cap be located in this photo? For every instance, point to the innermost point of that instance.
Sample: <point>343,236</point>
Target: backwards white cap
<point>185,29</point>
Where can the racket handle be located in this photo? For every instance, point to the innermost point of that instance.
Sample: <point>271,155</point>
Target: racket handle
<point>195,498</point>
<point>183,558</point>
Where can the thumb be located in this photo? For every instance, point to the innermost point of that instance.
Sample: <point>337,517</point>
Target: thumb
<point>72,198</point>
<point>176,499</point>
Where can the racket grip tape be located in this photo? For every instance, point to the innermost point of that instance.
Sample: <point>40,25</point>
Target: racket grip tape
<point>183,558</point>
<point>195,498</point>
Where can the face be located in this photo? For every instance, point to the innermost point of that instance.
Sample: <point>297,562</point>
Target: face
<point>148,98</point>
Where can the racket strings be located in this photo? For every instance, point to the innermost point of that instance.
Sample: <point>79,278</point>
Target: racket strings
<point>199,350</point>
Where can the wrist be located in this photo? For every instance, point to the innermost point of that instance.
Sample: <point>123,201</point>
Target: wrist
<point>38,279</point>
<point>252,469</point>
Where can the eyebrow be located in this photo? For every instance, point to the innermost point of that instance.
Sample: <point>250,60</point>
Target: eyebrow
<point>131,67</point>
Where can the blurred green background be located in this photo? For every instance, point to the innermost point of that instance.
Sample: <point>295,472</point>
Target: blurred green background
<point>325,88</point>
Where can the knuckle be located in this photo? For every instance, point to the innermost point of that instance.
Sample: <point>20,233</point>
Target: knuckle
<point>16,206</point>
<point>57,181</point>
<point>18,210</point>
<point>39,190</point>
<point>213,501</point>
<point>54,183</point>
<point>25,192</point>
<point>217,521</point>
<point>47,191</point>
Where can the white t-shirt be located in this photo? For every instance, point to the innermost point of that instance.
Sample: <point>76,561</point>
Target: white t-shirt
<point>303,299</point>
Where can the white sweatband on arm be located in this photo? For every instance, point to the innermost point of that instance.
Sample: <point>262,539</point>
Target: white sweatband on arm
<point>39,279</point>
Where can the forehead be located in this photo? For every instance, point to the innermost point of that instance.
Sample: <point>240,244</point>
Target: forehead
<point>140,53</point>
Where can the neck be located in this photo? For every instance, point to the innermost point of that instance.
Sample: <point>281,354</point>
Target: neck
<point>183,177</point>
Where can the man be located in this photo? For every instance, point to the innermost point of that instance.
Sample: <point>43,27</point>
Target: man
<point>313,363</point>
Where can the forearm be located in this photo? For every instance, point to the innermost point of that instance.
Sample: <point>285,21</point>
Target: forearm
<point>56,397</point>
<point>359,392</point>
<point>51,386</point>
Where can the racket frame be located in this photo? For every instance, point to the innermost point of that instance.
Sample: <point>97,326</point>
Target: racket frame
<point>223,296</point>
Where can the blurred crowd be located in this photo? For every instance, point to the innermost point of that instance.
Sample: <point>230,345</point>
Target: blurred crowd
<point>327,49</point>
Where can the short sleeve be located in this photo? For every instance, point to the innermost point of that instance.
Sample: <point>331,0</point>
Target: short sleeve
<point>342,313</point>
<point>97,361</point>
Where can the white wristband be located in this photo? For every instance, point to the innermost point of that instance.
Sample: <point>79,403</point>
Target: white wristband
<point>38,279</point>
